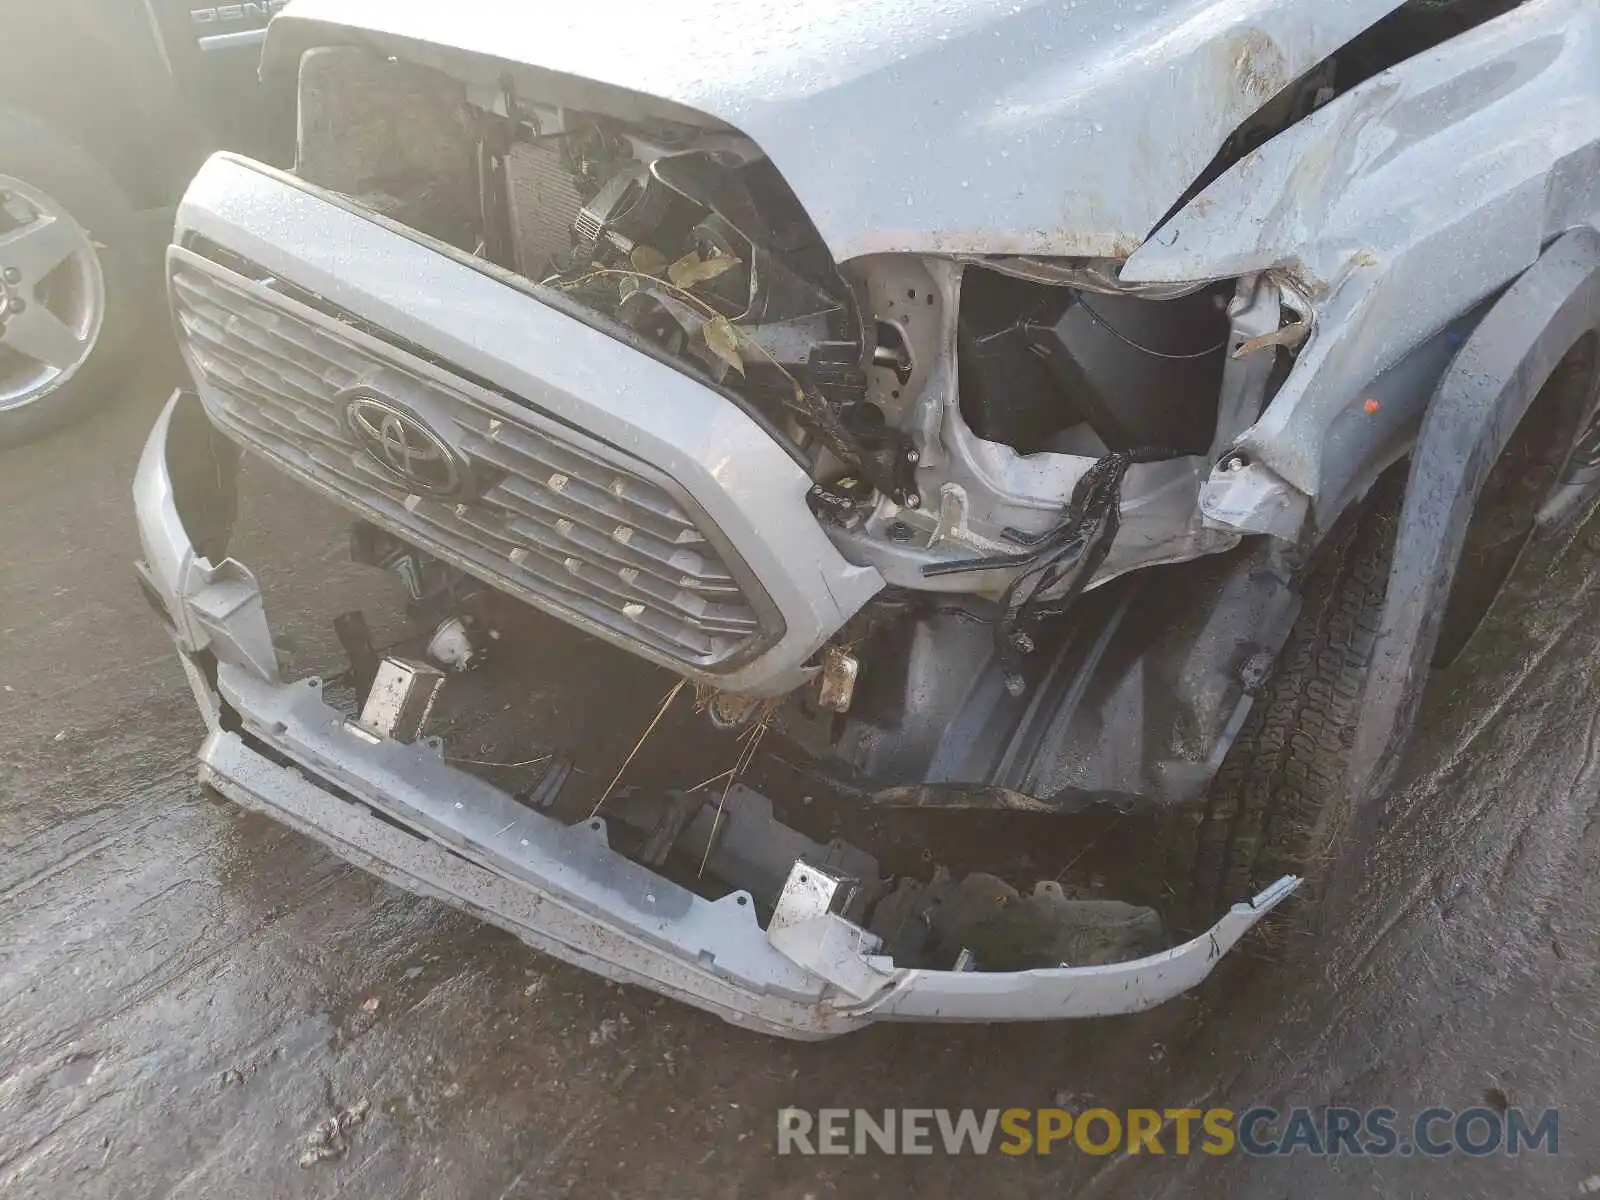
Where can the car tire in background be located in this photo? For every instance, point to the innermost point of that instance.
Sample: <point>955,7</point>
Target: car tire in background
<point>69,257</point>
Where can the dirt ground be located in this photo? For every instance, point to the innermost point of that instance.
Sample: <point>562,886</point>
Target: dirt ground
<point>187,992</point>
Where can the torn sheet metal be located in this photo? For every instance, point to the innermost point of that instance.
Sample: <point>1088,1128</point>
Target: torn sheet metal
<point>1399,205</point>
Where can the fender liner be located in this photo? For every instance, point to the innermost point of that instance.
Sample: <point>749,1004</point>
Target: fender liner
<point>1479,401</point>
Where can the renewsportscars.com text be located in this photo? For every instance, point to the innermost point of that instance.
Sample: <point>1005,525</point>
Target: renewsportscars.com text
<point>1373,1132</point>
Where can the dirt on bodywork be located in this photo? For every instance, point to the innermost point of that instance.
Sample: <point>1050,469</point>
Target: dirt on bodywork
<point>190,996</point>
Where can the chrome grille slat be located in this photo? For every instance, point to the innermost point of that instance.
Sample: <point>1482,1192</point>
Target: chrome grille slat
<point>553,521</point>
<point>677,642</point>
<point>536,506</point>
<point>229,341</point>
<point>266,321</point>
<point>602,499</point>
<point>582,466</point>
<point>289,417</point>
<point>580,540</point>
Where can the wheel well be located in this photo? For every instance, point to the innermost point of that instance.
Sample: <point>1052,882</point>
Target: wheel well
<point>1544,328</point>
<point>1508,507</point>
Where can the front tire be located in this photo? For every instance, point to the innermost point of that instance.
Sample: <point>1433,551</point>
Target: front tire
<point>1278,804</point>
<point>68,262</point>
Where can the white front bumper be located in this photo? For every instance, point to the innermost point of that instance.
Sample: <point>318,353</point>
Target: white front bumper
<point>400,811</point>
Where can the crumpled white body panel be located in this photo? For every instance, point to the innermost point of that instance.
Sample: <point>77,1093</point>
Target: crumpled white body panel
<point>1399,206</point>
<point>1053,127</point>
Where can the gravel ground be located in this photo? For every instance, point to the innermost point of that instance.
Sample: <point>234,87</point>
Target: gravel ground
<point>189,994</point>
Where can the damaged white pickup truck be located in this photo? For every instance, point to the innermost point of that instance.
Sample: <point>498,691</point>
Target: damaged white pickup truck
<point>1015,404</point>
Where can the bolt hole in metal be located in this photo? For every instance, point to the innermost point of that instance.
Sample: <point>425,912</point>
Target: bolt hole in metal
<point>52,294</point>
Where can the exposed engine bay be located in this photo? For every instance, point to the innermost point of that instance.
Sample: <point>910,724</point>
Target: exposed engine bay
<point>993,436</point>
<point>690,240</point>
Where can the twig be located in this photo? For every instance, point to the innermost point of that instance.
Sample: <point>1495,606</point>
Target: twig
<point>746,757</point>
<point>1090,845</point>
<point>694,301</point>
<point>713,779</point>
<point>483,762</point>
<point>682,293</point>
<point>649,729</point>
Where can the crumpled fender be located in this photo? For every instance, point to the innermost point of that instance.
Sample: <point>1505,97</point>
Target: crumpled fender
<point>1475,409</point>
<point>1397,207</point>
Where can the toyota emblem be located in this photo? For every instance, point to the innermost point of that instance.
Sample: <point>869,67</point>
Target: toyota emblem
<point>402,446</point>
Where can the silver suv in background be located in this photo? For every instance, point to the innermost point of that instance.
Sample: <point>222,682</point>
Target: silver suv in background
<point>107,107</point>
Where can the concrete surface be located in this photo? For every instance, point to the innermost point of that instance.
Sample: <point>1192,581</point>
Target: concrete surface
<point>186,992</point>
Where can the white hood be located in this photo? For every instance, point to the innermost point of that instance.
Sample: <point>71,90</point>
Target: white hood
<point>1049,127</point>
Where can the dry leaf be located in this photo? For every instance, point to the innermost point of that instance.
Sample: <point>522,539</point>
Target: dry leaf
<point>723,341</point>
<point>647,259</point>
<point>691,269</point>
<point>627,286</point>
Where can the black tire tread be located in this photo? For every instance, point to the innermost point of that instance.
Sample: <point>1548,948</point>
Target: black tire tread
<point>1277,805</point>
